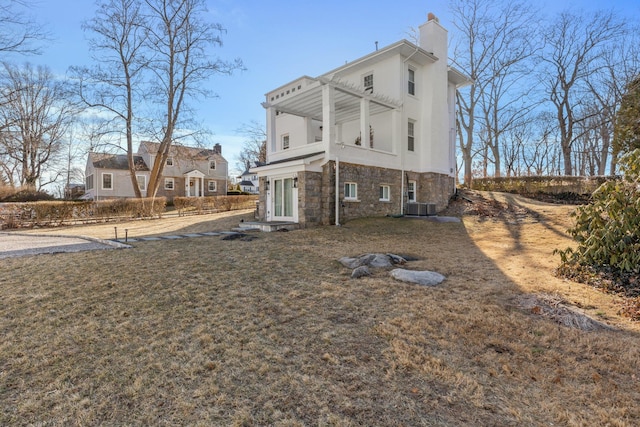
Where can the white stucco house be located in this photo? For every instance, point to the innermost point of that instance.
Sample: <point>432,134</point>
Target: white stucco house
<point>373,137</point>
<point>188,172</point>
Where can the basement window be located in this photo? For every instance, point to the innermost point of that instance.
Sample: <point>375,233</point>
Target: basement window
<point>350,191</point>
<point>384,193</point>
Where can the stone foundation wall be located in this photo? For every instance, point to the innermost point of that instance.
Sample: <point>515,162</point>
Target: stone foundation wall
<point>432,188</point>
<point>309,198</point>
<point>316,193</point>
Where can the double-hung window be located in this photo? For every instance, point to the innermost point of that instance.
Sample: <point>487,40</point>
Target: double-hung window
<point>411,88</point>
<point>350,191</point>
<point>107,181</point>
<point>368,83</point>
<point>285,141</point>
<point>411,191</point>
<point>212,186</point>
<point>411,136</point>
<point>168,184</point>
<point>142,182</point>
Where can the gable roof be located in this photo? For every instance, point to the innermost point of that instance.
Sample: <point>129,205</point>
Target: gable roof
<point>116,161</point>
<point>182,151</point>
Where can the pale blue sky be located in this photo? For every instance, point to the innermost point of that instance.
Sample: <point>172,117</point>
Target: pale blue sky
<point>278,41</point>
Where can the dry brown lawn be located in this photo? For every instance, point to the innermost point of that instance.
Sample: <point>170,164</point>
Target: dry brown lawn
<point>203,331</point>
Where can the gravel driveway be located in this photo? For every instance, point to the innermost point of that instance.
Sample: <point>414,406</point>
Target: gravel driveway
<point>16,244</point>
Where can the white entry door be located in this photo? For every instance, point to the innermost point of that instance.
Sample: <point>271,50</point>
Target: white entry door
<point>283,201</point>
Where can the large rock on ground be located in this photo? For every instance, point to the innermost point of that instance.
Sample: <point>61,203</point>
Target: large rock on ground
<point>361,271</point>
<point>425,278</point>
<point>372,260</point>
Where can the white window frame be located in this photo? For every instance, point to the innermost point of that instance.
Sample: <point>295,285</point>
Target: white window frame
<point>169,161</point>
<point>285,141</point>
<point>385,192</point>
<point>350,191</point>
<point>412,189</point>
<point>367,82</point>
<point>104,175</point>
<point>215,186</point>
<point>411,135</point>
<point>411,81</point>
<point>171,182</point>
<point>142,187</point>
<point>212,163</point>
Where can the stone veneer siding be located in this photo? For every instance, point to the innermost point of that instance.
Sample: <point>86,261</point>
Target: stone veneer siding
<point>316,193</point>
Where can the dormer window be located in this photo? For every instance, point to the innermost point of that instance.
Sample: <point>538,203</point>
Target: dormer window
<point>368,83</point>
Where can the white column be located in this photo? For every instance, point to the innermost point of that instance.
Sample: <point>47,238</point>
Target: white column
<point>271,130</point>
<point>328,115</point>
<point>364,122</point>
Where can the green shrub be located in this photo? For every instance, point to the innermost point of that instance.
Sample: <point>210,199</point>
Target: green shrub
<point>607,230</point>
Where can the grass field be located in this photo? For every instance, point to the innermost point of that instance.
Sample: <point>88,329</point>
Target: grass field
<point>274,331</point>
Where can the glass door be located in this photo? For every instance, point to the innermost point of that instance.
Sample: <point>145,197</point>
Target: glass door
<point>283,198</point>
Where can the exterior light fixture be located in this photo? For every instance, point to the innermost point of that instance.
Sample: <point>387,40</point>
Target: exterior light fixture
<point>295,182</point>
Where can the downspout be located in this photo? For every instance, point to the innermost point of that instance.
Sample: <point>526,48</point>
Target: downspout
<point>337,192</point>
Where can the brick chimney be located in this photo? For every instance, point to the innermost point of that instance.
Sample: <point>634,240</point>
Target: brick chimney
<point>217,149</point>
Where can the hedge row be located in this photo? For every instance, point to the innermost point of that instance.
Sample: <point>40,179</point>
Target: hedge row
<point>213,203</point>
<point>541,184</point>
<point>30,214</point>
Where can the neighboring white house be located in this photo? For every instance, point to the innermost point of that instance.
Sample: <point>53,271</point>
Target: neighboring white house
<point>366,138</point>
<point>189,171</point>
<point>249,182</point>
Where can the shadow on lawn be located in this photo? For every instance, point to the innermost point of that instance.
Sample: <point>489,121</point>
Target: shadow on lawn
<point>274,332</point>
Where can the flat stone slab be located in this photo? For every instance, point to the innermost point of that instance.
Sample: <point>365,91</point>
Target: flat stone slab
<point>193,235</point>
<point>424,278</point>
<point>172,237</point>
<point>211,233</point>
<point>149,239</point>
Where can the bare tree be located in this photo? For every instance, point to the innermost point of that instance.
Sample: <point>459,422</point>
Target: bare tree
<point>34,117</point>
<point>254,148</point>
<point>179,43</point>
<point>111,85</point>
<point>495,38</point>
<point>19,32</point>
<point>573,45</point>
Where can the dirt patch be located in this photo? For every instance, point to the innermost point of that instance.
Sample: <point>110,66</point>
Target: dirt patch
<point>559,310</point>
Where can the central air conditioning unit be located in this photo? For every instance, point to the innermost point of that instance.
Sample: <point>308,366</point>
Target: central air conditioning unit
<point>421,209</point>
